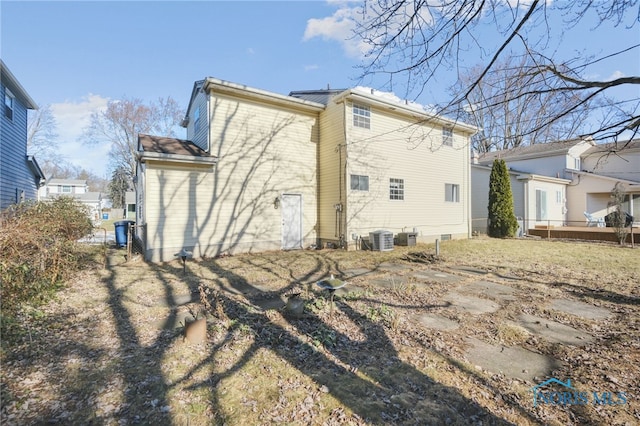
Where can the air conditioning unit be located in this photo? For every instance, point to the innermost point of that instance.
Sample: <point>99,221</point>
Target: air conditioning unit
<point>381,240</point>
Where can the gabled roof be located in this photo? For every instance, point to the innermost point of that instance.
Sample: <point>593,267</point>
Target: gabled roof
<point>37,171</point>
<point>532,151</point>
<point>239,90</point>
<point>171,149</point>
<point>61,181</point>
<point>322,96</point>
<point>390,101</point>
<point>11,82</point>
<point>613,147</point>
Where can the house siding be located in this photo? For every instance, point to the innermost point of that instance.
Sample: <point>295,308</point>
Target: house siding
<point>395,147</point>
<point>622,165</point>
<point>263,152</point>
<point>200,137</point>
<point>15,174</point>
<point>331,160</point>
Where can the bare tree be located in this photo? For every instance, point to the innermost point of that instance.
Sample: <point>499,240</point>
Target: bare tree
<point>122,121</point>
<point>42,135</point>
<point>511,107</point>
<point>415,40</point>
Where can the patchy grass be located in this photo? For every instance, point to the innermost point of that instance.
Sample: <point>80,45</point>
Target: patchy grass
<point>110,349</point>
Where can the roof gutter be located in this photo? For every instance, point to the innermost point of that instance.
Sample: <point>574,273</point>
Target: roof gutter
<point>175,158</point>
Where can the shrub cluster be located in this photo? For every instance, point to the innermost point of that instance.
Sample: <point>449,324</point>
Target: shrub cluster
<point>39,249</point>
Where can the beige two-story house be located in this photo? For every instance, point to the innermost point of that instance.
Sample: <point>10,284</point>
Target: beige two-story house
<point>261,171</point>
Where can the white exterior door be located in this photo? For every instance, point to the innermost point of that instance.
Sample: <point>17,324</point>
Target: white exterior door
<point>291,221</point>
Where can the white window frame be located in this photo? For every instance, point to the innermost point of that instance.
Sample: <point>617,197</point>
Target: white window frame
<point>361,116</point>
<point>9,104</point>
<point>66,189</point>
<point>396,189</point>
<point>447,136</point>
<point>451,193</point>
<point>542,209</point>
<point>359,183</point>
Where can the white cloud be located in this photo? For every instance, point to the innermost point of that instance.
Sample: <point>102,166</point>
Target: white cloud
<point>311,67</point>
<point>251,51</point>
<point>71,118</point>
<point>616,75</point>
<point>338,27</point>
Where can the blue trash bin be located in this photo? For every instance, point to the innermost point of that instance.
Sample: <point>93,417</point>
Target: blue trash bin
<point>122,232</point>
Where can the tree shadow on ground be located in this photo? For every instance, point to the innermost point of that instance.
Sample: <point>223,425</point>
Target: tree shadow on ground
<point>366,375</point>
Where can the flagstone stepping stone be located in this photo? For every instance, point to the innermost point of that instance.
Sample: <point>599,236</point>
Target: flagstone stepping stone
<point>391,282</point>
<point>437,322</point>
<point>473,305</point>
<point>554,332</point>
<point>357,272</point>
<point>436,276</point>
<point>393,267</point>
<point>469,270</point>
<point>512,361</point>
<point>490,289</point>
<point>580,309</point>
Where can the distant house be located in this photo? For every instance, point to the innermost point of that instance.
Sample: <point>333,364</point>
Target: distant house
<point>76,188</point>
<point>20,174</point>
<point>261,171</point>
<point>555,183</point>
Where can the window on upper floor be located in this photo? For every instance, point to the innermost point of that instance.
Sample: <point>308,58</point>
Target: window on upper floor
<point>447,136</point>
<point>576,163</point>
<point>361,116</point>
<point>8,104</point>
<point>359,183</point>
<point>196,120</point>
<point>396,189</point>
<point>452,192</point>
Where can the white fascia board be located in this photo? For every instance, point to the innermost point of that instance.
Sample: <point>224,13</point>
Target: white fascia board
<point>406,110</point>
<point>238,90</point>
<point>176,158</point>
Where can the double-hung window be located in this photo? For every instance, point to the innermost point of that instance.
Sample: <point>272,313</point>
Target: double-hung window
<point>359,183</point>
<point>396,189</point>
<point>451,192</point>
<point>361,116</point>
<point>8,104</point>
<point>447,136</point>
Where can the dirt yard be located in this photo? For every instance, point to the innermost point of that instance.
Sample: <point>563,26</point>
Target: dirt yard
<point>411,339</point>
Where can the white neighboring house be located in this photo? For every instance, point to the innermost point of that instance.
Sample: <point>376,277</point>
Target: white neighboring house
<point>555,183</point>
<point>76,188</point>
<point>265,171</point>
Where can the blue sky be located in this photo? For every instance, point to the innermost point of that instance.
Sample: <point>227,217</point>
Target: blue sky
<point>75,56</point>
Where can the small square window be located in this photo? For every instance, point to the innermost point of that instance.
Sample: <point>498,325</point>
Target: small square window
<point>361,116</point>
<point>359,183</point>
<point>452,193</point>
<point>447,136</point>
<point>396,189</point>
<point>66,189</point>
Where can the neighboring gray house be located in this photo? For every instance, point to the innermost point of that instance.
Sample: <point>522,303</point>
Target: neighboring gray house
<point>555,183</point>
<point>20,175</point>
<point>76,188</point>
